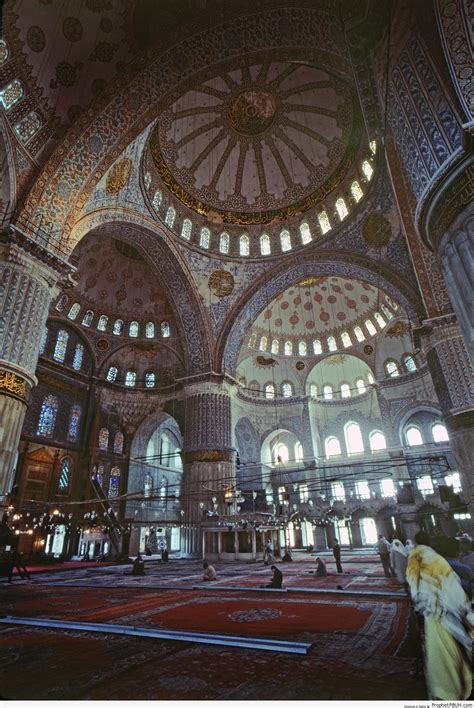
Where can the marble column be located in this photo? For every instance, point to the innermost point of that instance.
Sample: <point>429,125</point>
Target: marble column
<point>27,284</point>
<point>209,462</point>
<point>451,371</point>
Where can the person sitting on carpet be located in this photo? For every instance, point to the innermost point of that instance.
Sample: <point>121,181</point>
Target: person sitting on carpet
<point>287,556</point>
<point>138,567</point>
<point>209,572</point>
<point>277,579</point>
<point>321,571</point>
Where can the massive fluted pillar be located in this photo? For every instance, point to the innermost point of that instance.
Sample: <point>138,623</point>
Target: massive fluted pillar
<point>27,284</point>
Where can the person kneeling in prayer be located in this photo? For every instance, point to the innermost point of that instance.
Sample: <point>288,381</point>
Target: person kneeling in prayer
<point>209,572</point>
<point>277,579</point>
<point>321,571</point>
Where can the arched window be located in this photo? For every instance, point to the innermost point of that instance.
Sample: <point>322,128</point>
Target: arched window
<point>379,319</point>
<point>265,245</point>
<point>44,339</point>
<point>439,433</point>
<point>346,340</point>
<point>409,363</point>
<point>387,487</point>
<point>170,217</point>
<point>78,356</point>
<point>391,367</point>
<point>413,436</point>
<point>285,240</point>
<point>327,392</point>
<point>28,126</point>
<point>370,327</point>
<point>111,375</point>
<point>102,323</point>
<point>356,191</point>
<point>332,446</point>
<point>156,201</point>
<point>281,453</point>
<point>224,242</point>
<point>360,385</point>
<point>99,475</point>
<point>165,329</point>
<point>163,492</point>
<point>373,146</point>
<point>368,170</point>
<point>205,237</point>
<point>288,348</point>
<point>118,327</point>
<point>114,482</point>
<point>150,379</point>
<point>104,439</point>
<point>61,346</point>
<point>386,311</point>
<point>299,458</point>
<point>244,245</point>
<point>4,52</point>
<point>332,346</point>
<point>11,94</point>
<point>425,484</point>
<point>354,442</point>
<point>360,336</point>
<point>74,311</point>
<point>118,442</point>
<point>305,233</point>
<point>302,348</point>
<point>269,494</point>
<point>73,426</point>
<point>263,343</point>
<point>133,329</point>
<point>254,388</point>
<point>269,390</point>
<point>87,319</point>
<point>377,441</point>
<point>47,416</point>
<point>282,494</point>
<point>317,348</point>
<point>345,390</point>
<point>253,340</point>
<point>338,491</point>
<point>64,481</point>
<point>61,303</point>
<point>147,180</point>
<point>313,390</point>
<point>150,330</point>
<point>275,346</point>
<point>286,389</point>
<point>186,230</point>
<point>148,486</point>
<point>324,223</point>
<point>130,378</point>
<point>370,378</point>
<point>341,208</point>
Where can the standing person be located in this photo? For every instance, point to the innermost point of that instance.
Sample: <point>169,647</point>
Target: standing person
<point>336,551</point>
<point>268,556</point>
<point>398,559</point>
<point>383,549</point>
<point>277,579</point>
<point>437,595</point>
<point>209,572</point>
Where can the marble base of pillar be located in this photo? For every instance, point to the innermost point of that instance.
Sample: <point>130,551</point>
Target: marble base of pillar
<point>12,415</point>
<point>461,436</point>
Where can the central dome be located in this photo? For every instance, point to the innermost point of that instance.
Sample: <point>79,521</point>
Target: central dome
<point>257,143</point>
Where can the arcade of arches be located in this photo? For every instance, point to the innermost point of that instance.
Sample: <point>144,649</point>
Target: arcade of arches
<point>234,275</point>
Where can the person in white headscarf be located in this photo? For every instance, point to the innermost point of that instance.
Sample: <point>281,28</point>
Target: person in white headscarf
<point>409,546</point>
<point>398,559</point>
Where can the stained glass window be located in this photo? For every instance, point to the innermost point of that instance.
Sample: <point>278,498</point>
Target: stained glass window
<point>370,378</point>
<point>244,245</point>
<point>118,442</point>
<point>409,363</point>
<point>346,340</point>
<point>170,217</point>
<point>224,242</point>
<point>360,385</point>
<point>354,442</point>
<point>47,416</point>
<point>77,358</point>
<point>61,346</point>
<point>386,311</point>
<point>11,94</point>
<point>265,245</point>
<point>163,492</point>
<point>114,482</point>
<point>288,348</point>
<point>285,240</point>
<point>287,389</point>
<point>356,191</point>
<point>313,390</point>
<point>275,346</point>
<point>156,201</point>
<point>74,311</point>
<point>100,474</point>
<point>302,348</point>
<point>148,486</point>
<point>87,319</point>
<point>345,390</point>
<point>317,348</point>
<point>338,491</point>
<point>147,180</point>
<point>64,475</point>
<point>305,233</point>
<point>379,319</point>
<point>186,229</point>
<point>118,327</point>
<point>391,368</point>
<point>102,323</point>
<point>28,126</point>
<point>150,330</point>
<point>133,329</point>
<point>324,223</point>
<point>263,343</point>
<point>252,340</point>
<point>61,303</point>
<point>327,392</point>
<point>360,336</point>
<point>269,390</point>
<point>204,237</point>
<point>104,439</point>
<point>73,427</point>
<point>373,146</point>
<point>332,346</point>
<point>130,378</point>
<point>370,327</point>
<point>341,207</point>
<point>165,329</point>
<point>150,379</point>
<point>111,375</point>
<point>368,170</point>
<point>4,52</point>
<point>44,339</point>
<point>362,489</point>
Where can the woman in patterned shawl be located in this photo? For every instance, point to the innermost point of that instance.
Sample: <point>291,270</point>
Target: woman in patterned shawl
<point>438,596</point>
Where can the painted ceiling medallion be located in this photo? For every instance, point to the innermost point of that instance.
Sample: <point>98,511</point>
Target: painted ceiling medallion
<point>221,283</point>
<point>376,230</point>
<point>258,143</point>
<point>102,345</point>
<point>118,176</point>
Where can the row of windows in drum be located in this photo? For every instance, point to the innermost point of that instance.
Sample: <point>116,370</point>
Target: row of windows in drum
<point>130,379</point>
<point>118,325</point>
<point>265,240</point>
